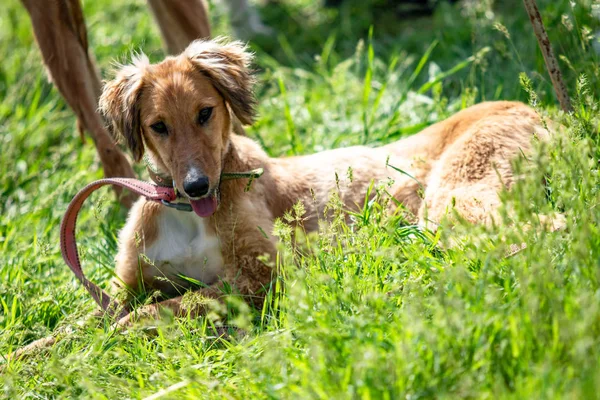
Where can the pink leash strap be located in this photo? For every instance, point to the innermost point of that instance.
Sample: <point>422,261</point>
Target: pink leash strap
<point>68,244</point>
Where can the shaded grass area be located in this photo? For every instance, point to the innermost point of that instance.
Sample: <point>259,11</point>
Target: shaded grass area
<point>377,309</point>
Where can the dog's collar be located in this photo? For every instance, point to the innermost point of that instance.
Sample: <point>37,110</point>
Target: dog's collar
<point>157,177</point>
<point>165,180</point>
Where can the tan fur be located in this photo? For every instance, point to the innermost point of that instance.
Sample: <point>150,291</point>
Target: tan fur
<point>139,232</point>
<point>465,159</point>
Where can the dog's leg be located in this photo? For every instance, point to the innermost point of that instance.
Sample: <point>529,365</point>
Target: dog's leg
<point>471,173</point>
<point>180,22</point>
<point>178,306</point>
<point>475,169</point>
<point>61,35</point>
<point>252,289</point>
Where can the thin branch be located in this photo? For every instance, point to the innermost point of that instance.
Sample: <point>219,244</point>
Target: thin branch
<point>551,63</point>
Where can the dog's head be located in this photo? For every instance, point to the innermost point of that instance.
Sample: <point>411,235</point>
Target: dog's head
<point>180,112</point>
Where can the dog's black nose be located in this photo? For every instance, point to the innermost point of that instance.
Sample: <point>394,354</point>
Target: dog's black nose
<point>195,184</point>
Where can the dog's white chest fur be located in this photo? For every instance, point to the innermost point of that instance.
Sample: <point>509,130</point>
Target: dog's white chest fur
<point>185,247</point>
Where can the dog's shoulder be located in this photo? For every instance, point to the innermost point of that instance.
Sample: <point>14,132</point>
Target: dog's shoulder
<point>141,222</point>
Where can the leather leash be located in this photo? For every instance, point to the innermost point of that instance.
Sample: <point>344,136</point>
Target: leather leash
<point>68,245</point>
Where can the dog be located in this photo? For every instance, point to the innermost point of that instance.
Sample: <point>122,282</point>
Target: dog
<point>179,114</point>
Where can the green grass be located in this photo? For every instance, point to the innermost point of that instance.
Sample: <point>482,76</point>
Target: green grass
<point>377,309</point>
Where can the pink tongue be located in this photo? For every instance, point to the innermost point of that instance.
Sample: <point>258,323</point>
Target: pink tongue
<point>205,207</point>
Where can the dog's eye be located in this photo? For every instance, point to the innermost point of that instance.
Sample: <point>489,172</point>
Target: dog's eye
<point>204,115</point>
<point>160,128</point>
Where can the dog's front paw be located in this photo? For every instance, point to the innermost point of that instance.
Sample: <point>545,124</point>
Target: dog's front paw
<point>149,312</point>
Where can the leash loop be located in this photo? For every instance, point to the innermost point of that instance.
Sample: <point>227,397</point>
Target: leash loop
<point>68,244</point>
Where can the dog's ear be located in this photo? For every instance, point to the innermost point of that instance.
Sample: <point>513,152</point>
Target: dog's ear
<point>227,65</point>
<point>120,104</point>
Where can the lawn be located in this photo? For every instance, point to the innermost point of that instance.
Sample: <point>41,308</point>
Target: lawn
<point>375,309</point>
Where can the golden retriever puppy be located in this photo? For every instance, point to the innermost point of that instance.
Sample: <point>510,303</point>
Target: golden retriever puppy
<point>180,113</point>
